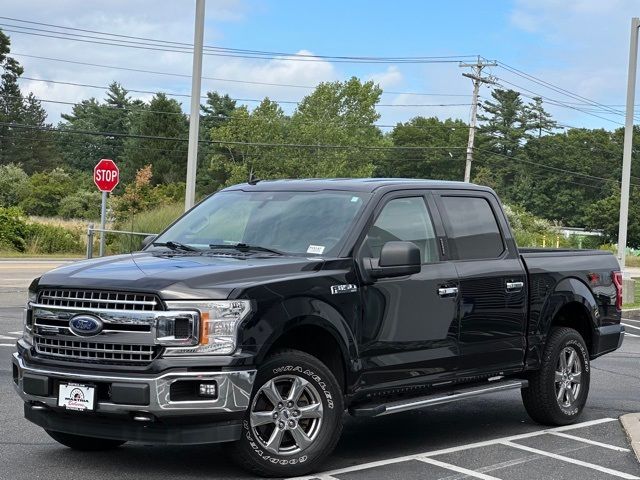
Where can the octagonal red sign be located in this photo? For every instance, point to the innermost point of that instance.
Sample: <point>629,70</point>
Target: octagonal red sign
<point>106,175</point>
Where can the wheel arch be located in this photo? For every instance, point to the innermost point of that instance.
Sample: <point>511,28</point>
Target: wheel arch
<point>573,305</point>
<point>317,328</point>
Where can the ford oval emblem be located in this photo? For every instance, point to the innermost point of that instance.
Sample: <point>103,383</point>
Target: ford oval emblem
<point>85,325</point>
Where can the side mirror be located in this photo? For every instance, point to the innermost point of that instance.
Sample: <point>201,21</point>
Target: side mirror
<point>147,240</point>
<point>397,259</point>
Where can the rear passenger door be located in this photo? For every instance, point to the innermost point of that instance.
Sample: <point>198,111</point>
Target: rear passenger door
<point>492,286</point>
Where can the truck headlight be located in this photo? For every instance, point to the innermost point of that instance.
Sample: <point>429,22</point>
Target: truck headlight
<point>27,318</point>
<point>219,321</point>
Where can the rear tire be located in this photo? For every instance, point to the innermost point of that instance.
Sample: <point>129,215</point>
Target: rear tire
<point>85,444</point>
<point>558,391</point>
<point>294,418</point>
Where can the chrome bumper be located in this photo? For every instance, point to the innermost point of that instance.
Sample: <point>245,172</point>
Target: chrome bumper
<point>234,389</point>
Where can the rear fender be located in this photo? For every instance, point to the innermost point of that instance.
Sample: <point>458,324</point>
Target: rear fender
<point>568,291</point>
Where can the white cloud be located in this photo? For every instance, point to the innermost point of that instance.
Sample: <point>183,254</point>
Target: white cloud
<point>583,46</point>
<point>391,77</point>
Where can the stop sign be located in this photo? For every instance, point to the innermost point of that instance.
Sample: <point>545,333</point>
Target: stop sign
<point>106,175</point>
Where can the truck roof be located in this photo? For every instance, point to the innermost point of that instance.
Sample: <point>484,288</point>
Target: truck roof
<point>353,184</point>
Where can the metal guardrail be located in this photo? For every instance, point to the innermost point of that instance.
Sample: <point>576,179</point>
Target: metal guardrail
<point>91,231</point>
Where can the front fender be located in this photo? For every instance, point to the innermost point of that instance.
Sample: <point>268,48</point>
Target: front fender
<point>281,317</point>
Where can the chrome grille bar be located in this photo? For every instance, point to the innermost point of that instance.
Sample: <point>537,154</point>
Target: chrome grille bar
<point>95,351</point>
<point>76,298</point>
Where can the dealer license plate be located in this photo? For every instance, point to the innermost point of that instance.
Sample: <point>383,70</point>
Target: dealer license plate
<point>74,396</point>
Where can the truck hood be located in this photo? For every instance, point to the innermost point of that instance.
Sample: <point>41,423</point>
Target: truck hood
<point>179,276</point>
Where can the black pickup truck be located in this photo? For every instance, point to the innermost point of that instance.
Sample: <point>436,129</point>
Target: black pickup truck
<point>272,308</point>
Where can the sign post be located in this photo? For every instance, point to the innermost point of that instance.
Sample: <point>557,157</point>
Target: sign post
<point>106,176</point>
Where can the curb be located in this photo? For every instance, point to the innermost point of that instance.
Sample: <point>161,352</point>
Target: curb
<point>631,424</point>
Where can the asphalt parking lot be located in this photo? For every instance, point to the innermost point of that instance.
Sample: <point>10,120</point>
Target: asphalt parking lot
<point>488,437</point>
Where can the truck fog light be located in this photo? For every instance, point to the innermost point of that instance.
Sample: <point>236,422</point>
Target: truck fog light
<point>208,390</point>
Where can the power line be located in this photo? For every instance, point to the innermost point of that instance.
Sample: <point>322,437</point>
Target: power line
<point>221,52</point>
<point>548,167</point>
<point>556,88</point>
<point>224,142</point>
<point>551,101</point>
<point>215,79</point>
<point>168,42</point>
<point>253,100</point>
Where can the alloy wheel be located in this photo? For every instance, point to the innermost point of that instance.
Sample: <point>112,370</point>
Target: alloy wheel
<point>568,377</point>
<point>286,415</point>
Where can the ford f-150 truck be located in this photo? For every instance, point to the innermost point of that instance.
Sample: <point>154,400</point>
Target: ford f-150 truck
<point>272,308</point>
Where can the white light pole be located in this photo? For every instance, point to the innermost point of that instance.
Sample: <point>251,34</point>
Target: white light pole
<point>628,139</point>
<point>194,116</point>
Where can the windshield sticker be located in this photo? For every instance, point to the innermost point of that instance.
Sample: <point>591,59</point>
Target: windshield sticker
<point>354,199</point>
<point>317,249</point>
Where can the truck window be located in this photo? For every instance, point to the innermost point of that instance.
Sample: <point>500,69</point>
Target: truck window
<point>472,227</point>
<point>405,219</point>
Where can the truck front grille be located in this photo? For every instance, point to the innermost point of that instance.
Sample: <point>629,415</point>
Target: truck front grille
<point>81,299</point>
<point>94,351</point>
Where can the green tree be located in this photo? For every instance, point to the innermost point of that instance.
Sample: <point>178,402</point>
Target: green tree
<point>82,151</point>
<point>338,113</point>
<point>25,143</point>
<point>443,158</point>
<point>163,117</point>
<point>604,215</point>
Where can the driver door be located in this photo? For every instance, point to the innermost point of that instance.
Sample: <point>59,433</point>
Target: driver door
<point>409,327</point>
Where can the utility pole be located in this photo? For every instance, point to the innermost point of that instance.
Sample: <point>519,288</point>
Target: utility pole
<point>628,142</point>
<point>477,79</point>
<point>194,116</point>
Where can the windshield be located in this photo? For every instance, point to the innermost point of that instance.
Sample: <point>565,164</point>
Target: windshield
<point>309,223</point>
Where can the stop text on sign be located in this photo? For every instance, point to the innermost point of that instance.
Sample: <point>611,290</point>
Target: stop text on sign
<point>106,175</point>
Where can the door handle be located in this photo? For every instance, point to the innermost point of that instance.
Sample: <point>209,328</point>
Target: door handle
<point>514,286</point>
<point>448,291</point>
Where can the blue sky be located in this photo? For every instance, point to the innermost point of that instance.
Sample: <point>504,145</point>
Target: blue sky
<point>579,45</point>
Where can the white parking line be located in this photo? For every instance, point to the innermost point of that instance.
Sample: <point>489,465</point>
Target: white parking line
<point>631,326</point>
<point>5,337</point>
<point>466,471</point>
<point>591,442</point>
<point>592,466</point>
<point>630,320</point>
<point>7,344</point>
<point>15,333</point>
<point>627,334</point>
<point>330,475</point>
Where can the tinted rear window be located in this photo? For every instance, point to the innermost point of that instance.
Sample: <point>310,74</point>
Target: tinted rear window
<point>472,227</point>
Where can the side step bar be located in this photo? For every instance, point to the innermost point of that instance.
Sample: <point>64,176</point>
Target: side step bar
<point>377,410</point>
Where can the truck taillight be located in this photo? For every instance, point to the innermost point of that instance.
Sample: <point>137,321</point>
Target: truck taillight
<point>617,281</point>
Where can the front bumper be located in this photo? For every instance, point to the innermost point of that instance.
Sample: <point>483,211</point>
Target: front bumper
<point>137,407</point>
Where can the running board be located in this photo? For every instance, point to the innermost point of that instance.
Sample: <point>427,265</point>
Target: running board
<point>377,410</point>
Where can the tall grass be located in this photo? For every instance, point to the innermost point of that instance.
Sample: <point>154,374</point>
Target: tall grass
<point>152,222</point>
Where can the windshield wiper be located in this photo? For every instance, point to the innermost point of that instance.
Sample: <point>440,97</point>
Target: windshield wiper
<point>243,247</point>
<point>176,246</point>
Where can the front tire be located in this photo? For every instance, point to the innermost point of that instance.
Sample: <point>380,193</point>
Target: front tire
<point>294,418</point>
<point>85,444</point>
<point>558,391</point>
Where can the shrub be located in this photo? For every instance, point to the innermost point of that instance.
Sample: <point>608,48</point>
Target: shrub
<point>13,185</point>
<point>152,221</point>
<point>13,229</point>
<point>83,204</point>
<point>46,191</point>
<point>42,238</point>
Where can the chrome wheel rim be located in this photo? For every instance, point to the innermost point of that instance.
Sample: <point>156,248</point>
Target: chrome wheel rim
<point>568,377</point>
<point>286,415</point>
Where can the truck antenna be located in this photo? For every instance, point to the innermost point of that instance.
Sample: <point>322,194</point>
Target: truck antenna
<point>252,178</point>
